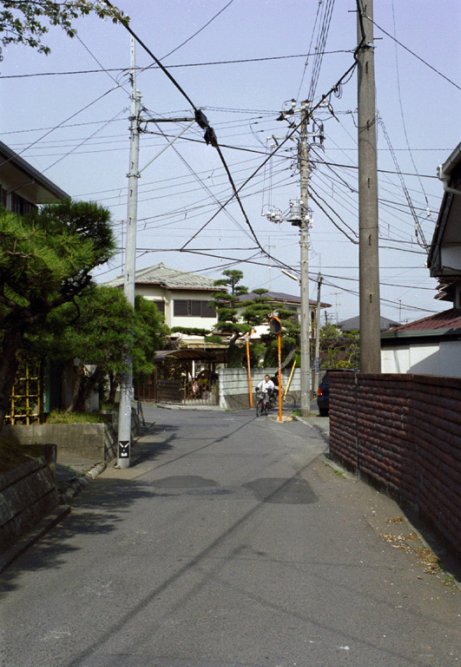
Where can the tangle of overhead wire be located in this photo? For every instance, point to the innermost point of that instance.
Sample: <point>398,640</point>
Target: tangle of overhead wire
<point>316,198</point>
<point>277,148</point>
<point>418,229</point>
<point>82,142</point>
<point>59,125</point>
<point>202,121</point>
<point>200,181</point>
<point>317,14</point>
<point>322,38</point>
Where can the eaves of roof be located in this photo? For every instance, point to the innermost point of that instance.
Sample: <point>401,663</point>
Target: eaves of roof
<point>446,324</point>
<point>27,181</point>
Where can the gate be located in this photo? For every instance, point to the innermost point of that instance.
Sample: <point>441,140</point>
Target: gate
<point>174,384</point>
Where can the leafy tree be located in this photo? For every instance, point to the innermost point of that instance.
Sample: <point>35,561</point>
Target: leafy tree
<point>98,328</point>
<point>339,349</point>
<point>45,261</point>
<point>26,21</point>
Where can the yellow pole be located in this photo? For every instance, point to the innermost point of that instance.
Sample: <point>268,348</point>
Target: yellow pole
<point>290,378</point>
<point>250,387</point>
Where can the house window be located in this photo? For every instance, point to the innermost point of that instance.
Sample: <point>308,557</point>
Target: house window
<point>184,308</point>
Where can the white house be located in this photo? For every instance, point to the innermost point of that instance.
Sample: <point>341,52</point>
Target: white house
<point>432,345</point>
<point>182,298</point>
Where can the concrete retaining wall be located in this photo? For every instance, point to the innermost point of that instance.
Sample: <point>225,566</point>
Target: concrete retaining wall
<point>403,432</point>
<point>90,441</point>
<point>27,493</point>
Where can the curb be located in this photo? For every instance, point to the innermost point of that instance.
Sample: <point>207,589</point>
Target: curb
<point>74,486</point>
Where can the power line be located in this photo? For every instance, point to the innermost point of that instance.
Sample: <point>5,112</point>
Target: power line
<point>56,127</point>
<point>434,69</point>
<point>178,66</point>
<point>197,32</point>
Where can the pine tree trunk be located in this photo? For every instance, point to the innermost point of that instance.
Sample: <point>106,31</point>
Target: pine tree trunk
<point>9,363</point>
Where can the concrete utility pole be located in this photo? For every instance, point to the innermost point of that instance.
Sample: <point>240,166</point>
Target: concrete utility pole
<point>370,338</point>
<point>299,217</point>
<point>304,247</point>
<point>126,382</point>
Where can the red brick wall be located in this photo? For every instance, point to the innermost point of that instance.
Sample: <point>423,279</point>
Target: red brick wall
<point>404,432</point>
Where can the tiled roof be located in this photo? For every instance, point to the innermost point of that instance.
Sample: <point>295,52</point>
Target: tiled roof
<point>282,297</point>
<point>353,324</point>
<point>170,278</point>
<point>446,320</point>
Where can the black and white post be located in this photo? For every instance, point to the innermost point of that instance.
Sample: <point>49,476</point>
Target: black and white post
<point>126,382</point>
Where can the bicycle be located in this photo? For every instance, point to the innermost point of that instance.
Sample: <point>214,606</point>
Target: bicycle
<point>289,401</point>
<point>262,403</point>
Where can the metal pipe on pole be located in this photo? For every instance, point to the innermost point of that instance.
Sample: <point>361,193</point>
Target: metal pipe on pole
<point>126,382</point>
<point>304,262</point>
<point>317,335</point>
<point>370,334</point>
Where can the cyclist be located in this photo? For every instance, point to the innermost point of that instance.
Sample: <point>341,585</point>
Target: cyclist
<point>268,388</point>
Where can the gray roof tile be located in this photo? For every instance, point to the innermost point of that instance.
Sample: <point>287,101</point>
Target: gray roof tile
<point>169,278</point>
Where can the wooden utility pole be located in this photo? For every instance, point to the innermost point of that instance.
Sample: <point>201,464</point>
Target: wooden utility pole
<point>370,334</point>
<point>304,248</point>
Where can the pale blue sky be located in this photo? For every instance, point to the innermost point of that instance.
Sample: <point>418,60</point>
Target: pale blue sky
<point>88,156</point>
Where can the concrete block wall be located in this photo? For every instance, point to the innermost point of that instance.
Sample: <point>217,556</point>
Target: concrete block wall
<point>233,385</point>
<point>403,432</point>
<point>27,493</point>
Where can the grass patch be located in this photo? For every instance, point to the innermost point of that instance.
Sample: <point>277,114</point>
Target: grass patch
<point>57,417</point>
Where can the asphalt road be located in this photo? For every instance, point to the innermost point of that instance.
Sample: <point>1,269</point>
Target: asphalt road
<point>230,542</point>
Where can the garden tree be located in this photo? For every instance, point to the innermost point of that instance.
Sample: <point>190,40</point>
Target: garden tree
<point>339,349</point>
<point>26,21</point>
<point>98,328</point>
<point>228,306</point>
<point>237,317</point>
<point>45,261</point>
<point>289,340</point>
<point>256,313</point>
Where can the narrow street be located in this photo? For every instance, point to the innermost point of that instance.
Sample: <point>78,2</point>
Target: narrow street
<point>231,541</point>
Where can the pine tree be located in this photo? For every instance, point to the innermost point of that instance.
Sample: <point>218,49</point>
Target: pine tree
<point>45,262</point>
